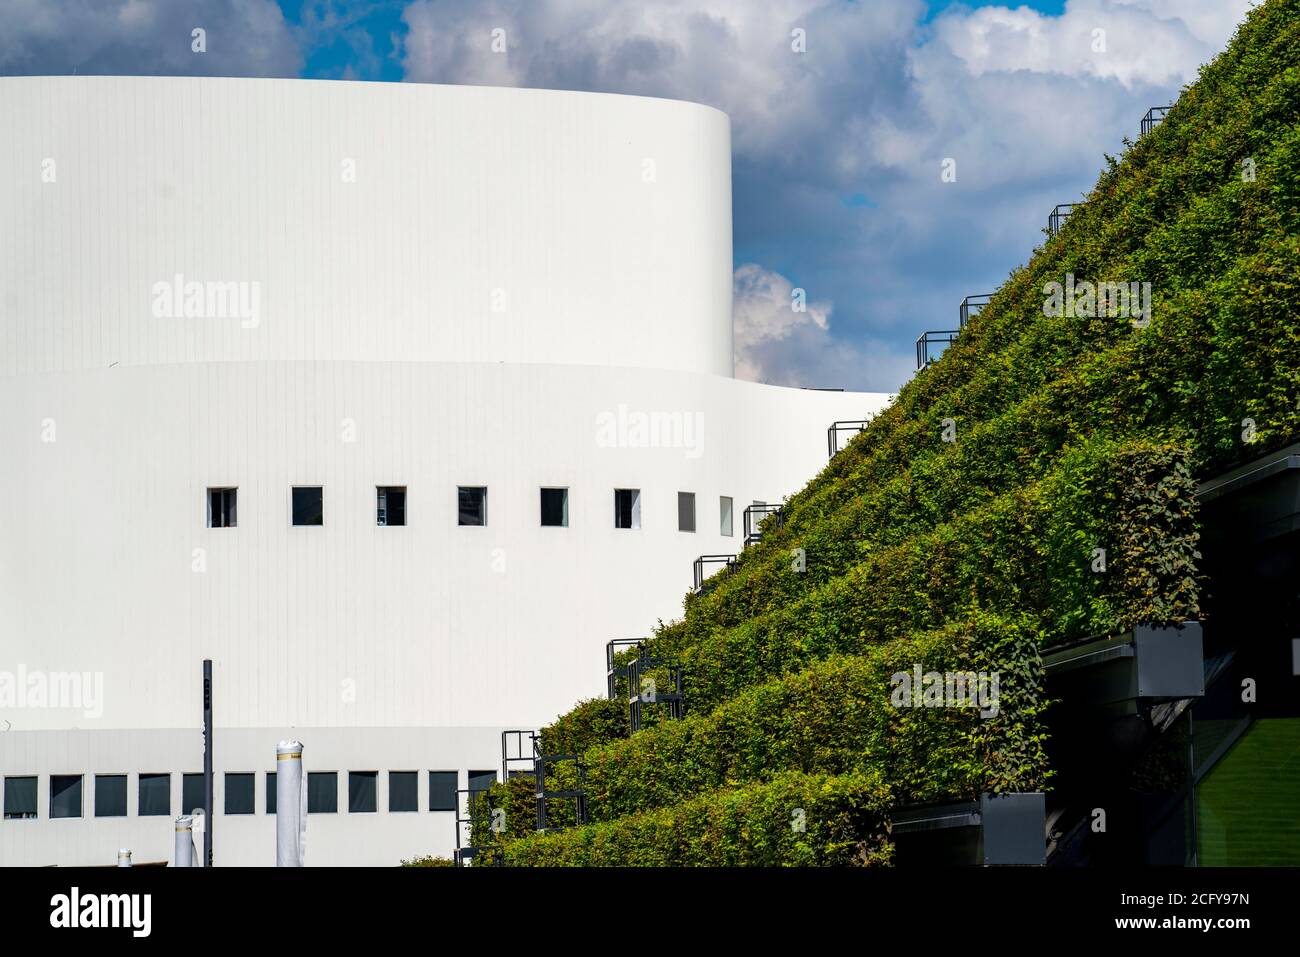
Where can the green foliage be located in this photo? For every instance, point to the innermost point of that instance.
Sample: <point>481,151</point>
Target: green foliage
<point>594,721</point>
<point>1075,436</point>
<point>793,819</point>
<point>429,862</point>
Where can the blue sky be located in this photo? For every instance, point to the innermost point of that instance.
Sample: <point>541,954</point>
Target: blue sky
<point>838,148</point>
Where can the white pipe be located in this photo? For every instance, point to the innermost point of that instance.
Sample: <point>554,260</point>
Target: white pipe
<point>124,857</point>
<point>184,841</point>
<point>290,805</point>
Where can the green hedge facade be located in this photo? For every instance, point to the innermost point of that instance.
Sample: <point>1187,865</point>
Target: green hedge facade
<point>1035,485</point>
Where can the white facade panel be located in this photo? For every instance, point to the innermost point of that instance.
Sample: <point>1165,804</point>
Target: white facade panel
<point>378,221</point>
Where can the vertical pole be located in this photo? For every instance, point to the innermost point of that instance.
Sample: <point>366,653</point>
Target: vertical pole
<point>124,857</point>
<point>208,817</point>
<point>184,841</point>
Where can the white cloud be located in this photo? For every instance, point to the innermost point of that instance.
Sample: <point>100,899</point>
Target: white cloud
<point>1156,42</point>
<point>146,37</point>
<point>776,344</point>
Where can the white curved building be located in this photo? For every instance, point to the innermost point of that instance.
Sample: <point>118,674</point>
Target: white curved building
<point>215,291</point>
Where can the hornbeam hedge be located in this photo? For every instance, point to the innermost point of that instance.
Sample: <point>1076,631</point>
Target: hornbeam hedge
<point>1034,486</point>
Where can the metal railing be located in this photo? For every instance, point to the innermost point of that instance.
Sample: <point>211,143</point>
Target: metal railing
<point>1056,219</point>
<point>970,308</point>
<point>925,354</point>
<point>1154,117</point>
<point>643,688</point>
<point>612,671</point>
<point>756,516</point>
<point>726,564</point>
<point>846,425</point>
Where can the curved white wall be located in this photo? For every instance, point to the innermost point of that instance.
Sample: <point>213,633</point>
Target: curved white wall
<point>376,360</point>
<point>482,224</point>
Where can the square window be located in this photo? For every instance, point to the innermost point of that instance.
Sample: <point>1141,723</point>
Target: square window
<point>110,795</point>
<point>322,792</point>
<point>270,792</point>
<point>239,792</point>
<point>221,507</point>
<point>627,508</point>
<point>555,508</point>
<point>65,795</point>
<point>308,505</point>
<point>155,793</point>
<point>481,780</point>
<point>471,505</point>
<point>390,507</point>
<point>20,797</point>
<point>192,793</point>
<point>724,515</point>
<point>442,790</point>
<point>685,511</point>
<point>402,787</point>
<point>363,792</point>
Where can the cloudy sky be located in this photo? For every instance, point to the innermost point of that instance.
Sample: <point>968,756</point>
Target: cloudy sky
<point>839,148</point>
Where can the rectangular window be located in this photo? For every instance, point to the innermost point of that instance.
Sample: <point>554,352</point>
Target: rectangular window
<point>155,793</point>
<point>442,790</point>
<point>627,508</point>
<point>471,505</point>
<point>724,515</point>
<point>191,793</point>
<point>555,508</point>
<point>221,507</point>
<point>363,792</point>
<point>481,780</point>
<point>65,795</point>
<point>270,792</point>
<point>685,511</point>
<point>390,507</point>
<point>110,795</point>
<point>402,794</point>
<point>20,797</point>
<point>322,792</point>
<point>308,505</point>
<point>239,792</point>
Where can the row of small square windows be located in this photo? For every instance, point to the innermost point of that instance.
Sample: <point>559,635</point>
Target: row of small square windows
<point>308,507</point>
<point>155,794</point>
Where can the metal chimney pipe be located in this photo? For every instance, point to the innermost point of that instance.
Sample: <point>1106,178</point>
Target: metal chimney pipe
<point>290,805</point>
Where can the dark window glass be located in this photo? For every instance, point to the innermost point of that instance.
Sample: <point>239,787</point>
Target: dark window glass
<point>221,507</point>
<point>363,792</point>
<point>402,794</point>
<point>309,505</point>
<point>555,507</point>
<point>471,505</point>
<point>390,508</point>
<point>627,508</point>
<point>270,792</point>
<point>20,797</point>
<point>481,780</point>
<point>239,793</point>
<point>686,511</point>
<point>442,790</point>
<point>724,515</point>
<point>191,793</point>
<point>65,795</point>
<point>155,795</point>
<point>322,792</point>
<point>110,795</point>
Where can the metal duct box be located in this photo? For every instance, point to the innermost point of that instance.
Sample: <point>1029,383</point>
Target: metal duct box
<point>1150,664</point>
